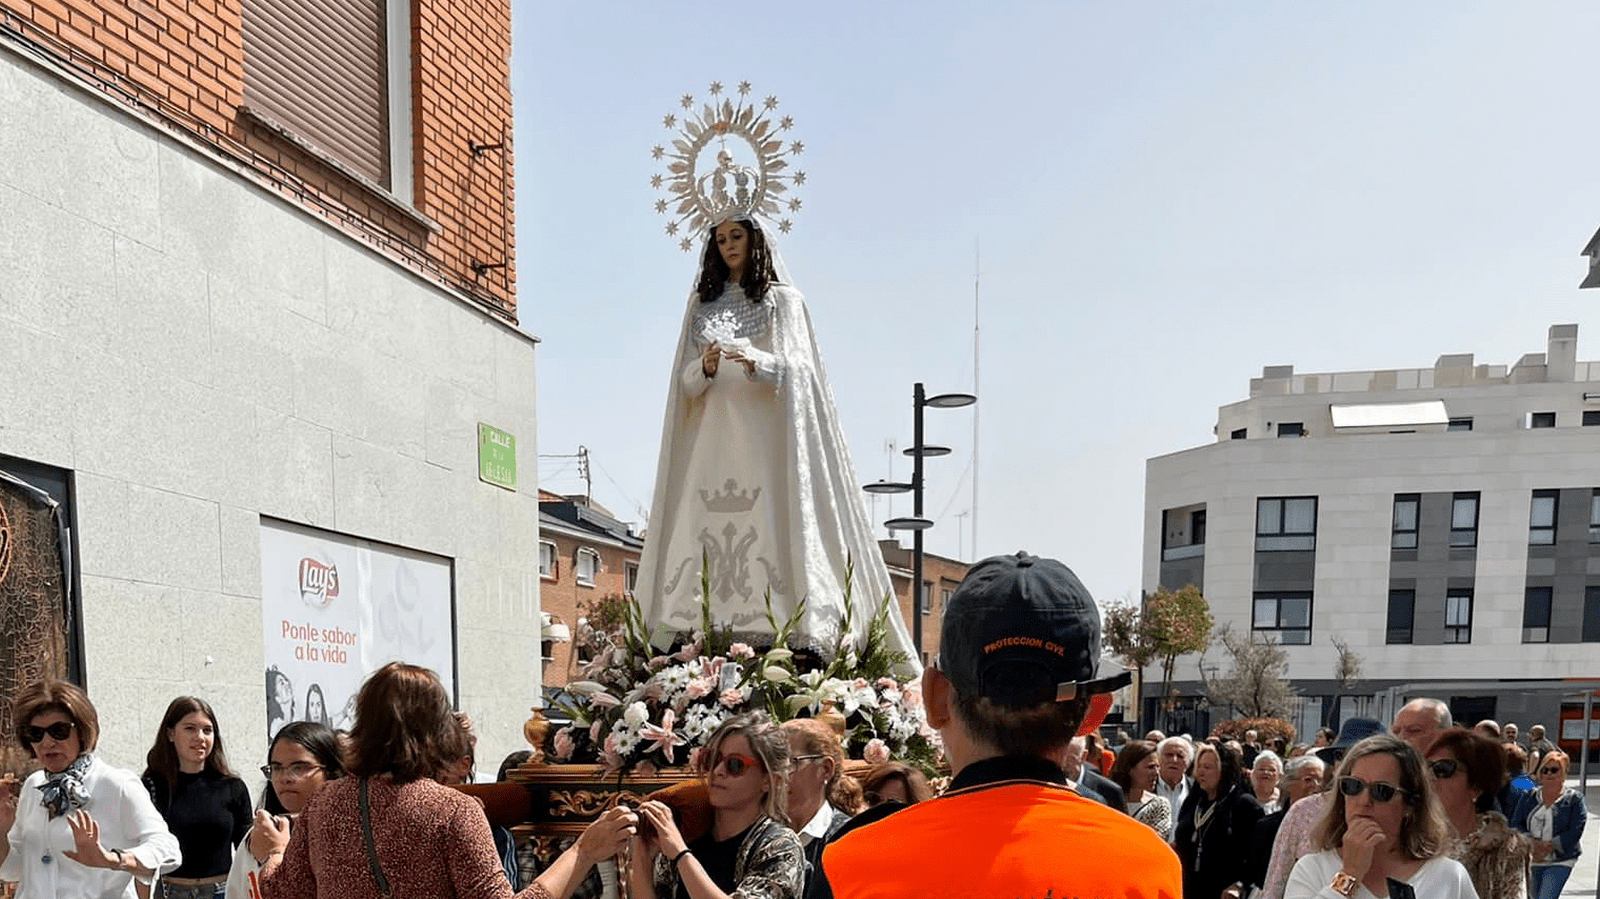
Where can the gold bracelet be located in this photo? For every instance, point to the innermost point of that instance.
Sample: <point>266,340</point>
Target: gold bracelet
<point>1344,884</point>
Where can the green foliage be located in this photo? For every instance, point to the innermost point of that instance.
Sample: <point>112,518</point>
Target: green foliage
<point>1168,624</point>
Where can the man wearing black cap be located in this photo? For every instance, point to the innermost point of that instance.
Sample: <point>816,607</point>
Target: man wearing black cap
<point>1014,682</point>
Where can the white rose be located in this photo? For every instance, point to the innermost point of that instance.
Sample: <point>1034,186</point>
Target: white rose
<point>636,714</point>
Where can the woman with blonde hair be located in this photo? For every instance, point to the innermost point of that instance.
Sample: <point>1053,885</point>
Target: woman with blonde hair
<point>1553,815</point>
<point>748,851</point>
<point>1384,827</point>
<point>390,828</point>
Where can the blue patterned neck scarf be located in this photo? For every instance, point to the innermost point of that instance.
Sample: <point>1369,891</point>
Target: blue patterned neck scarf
<point>64,792</point>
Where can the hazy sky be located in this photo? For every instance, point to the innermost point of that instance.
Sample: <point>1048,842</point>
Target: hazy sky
<point>1165,196</point>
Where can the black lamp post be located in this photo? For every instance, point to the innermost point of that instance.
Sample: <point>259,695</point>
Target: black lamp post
<point>916,524</point>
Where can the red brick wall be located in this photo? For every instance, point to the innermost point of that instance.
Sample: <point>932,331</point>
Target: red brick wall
<point>565,598</point>
<point>182,61</point>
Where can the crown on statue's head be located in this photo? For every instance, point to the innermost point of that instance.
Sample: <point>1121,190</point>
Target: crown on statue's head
<point>732,189</point>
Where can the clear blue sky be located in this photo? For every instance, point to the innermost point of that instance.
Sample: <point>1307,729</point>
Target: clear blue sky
<point>1166,197</point>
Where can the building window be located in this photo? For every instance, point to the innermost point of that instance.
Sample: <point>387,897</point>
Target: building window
<point>1458,615</point>
<point>1460,424</point>
<point>1286,523</point>
<point>1402,611</point>
<point>1288,615</point>
<point>585,565</point>
<point>1591,417</point>
<point>1536,615</point>
<point>335,74</point>
<point>1591,614</point>
<point>1542,420</point>
<point>1594,516</point>
<point>630,577</point>
<point>1291,429</point>
<point>547,560</point>
<point>1197,527</point>
<point>1464,519</point>
<point>925,600</point>
<point>1404,535</point>
<point>1542,517</point>
<point>1237,434</point>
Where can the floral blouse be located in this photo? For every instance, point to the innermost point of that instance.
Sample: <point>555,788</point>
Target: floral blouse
<point>1495,856</point>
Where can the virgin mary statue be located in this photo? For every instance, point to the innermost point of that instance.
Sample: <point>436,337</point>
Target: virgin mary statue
<point>754,488</point>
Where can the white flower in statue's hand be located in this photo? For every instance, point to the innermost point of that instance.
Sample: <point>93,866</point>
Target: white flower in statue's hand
<point>636,714</point>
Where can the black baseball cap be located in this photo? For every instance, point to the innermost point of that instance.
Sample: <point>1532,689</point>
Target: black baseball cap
<point>1021,631</point>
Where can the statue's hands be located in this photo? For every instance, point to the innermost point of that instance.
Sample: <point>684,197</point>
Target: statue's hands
<point>739,357</point>
<point>709,357</point>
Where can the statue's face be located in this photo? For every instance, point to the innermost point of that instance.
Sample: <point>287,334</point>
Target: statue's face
<point>733,242</point>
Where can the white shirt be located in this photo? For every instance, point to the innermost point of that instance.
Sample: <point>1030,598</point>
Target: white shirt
<point>128,821</point>
<point>817,827</point>
<point>1438,878</point>
<point>1174,796</point>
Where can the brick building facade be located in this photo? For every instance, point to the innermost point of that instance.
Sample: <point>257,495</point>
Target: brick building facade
<point>940,577</point>
<point>585,555</point>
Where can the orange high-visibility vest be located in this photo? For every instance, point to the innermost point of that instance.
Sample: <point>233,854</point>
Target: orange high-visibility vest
<point>1015,839</point>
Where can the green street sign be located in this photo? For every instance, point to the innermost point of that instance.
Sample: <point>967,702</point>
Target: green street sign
<point>497,457</point>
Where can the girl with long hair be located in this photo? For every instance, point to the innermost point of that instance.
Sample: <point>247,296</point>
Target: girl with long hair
<point>206,806</point>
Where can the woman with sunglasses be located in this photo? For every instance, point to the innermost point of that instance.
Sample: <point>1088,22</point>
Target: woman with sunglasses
<point>1553,816</point>
<point>1384,832</point>
<point>1467,770</point>
<point>206,805</point>
<point>748,850</point>
<point>821,798</point>
<point>1215,825</point>
<point>77,827</point>
<point>303,756</point>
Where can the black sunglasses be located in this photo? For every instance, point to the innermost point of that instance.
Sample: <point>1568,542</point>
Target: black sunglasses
<point>1444,769</point>
<point>58,731</point>
<point>1550,770</point>
<point>1381,792</point>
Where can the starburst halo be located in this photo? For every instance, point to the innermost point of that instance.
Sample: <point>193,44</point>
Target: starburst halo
<point>726,159</point>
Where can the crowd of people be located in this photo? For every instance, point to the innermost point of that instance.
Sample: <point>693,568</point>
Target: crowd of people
<point>1419,808</point>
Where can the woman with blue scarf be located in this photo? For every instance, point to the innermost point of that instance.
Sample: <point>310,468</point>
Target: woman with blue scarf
<point>78,827</point>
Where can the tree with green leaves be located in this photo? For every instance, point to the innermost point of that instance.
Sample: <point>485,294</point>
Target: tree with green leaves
<point>1163,626</point>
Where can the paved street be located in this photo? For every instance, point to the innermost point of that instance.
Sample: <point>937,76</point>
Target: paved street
<point>1587,871</point>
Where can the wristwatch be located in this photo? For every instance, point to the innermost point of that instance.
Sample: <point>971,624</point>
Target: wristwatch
<point>1344,884</point>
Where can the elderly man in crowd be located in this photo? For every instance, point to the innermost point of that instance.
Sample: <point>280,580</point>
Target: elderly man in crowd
<point>1173,756</point>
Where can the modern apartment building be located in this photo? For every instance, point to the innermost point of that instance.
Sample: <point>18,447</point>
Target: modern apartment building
<point>260,363</point>
<point>1443,522</point>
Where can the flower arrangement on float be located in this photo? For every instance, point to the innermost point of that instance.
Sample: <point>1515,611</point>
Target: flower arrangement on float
<point>640,710</point>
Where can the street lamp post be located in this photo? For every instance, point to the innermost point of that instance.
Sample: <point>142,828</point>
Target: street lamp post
<point>916,524</point>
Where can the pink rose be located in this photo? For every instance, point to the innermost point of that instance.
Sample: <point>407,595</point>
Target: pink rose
<point>887,683</point>
<point>594,731</point>
<point>697,688</point>
<point>563,743</point>
<point>694,758</point>
<point>876,751</point>
<point>645,768</point>
<point>731,698</point>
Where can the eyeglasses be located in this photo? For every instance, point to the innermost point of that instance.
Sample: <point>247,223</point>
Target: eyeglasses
<point>1381,792</point>
<point>735,764</point>
<point>58,731</point>
<point>1549,770</point>
<point>1444,769</point>
<point>296,771</point>
<point>798,760</point>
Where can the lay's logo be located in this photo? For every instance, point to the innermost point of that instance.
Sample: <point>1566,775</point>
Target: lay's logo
<point>319,582</point>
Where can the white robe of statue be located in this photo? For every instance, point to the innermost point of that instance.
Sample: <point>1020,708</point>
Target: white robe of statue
<point>755,479</point>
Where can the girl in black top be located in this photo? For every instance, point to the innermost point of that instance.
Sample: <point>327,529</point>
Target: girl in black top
<point>206,806</point>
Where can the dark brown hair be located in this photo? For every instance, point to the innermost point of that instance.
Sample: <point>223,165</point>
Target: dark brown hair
<point>57,696</point>
<point>162,759</point>
<point>315,738</point>
<point>758,271</point>
<point>916,783</point>
<point>1039,730</point>
<point>816,738</point>
<point>1482,759</point>
<point>1133,753</point>
<point>1422,827</point>
<point>404,726</point>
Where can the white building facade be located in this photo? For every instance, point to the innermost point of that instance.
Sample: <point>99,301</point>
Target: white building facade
<point>1443,522</point>
<point>191,360</point>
